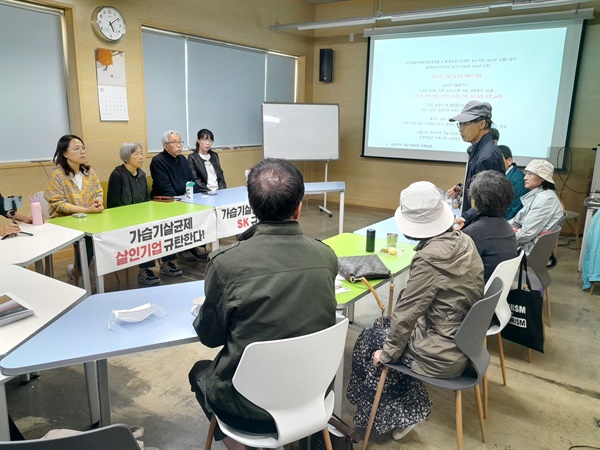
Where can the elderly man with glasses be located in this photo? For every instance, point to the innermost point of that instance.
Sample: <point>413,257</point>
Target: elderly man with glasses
<point>474,123</point>
<point>170,172</point>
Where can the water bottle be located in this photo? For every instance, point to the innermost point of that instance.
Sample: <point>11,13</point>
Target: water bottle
<point>189,190</point>
<point>36,211</point>
<point>370,247</point>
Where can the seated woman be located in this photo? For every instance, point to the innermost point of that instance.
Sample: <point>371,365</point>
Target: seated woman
<point>491,194</point>
<point>205,164</point>
<point>446,279</point>
<point>73,187</point>
<point>208,174</point>
<point>127,185</point>
<point>542,208</point>
<point>12,228</point>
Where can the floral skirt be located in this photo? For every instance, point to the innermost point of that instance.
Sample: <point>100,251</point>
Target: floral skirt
<point>404,400</point>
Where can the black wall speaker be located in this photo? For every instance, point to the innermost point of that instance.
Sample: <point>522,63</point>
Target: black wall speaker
<point>326,65</point>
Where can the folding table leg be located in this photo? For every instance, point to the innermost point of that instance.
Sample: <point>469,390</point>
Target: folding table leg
<point>91,381</point>
<point>4,430</point>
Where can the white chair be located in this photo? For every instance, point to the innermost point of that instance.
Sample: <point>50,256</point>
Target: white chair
<point>289,379</point>
<point>506,271</point>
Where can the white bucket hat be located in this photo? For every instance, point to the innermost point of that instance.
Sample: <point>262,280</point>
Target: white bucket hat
<point>422,212</point>
<point>541,168</point>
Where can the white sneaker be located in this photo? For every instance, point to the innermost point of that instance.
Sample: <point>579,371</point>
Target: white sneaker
<point>77,281</point>
<point>401,432</point>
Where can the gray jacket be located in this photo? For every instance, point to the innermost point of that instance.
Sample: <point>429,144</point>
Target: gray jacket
<point>446,279</point>
<point>541,211</point>
<point>274,283</point>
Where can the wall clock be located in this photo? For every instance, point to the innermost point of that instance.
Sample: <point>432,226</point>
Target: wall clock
<point>108,23</point>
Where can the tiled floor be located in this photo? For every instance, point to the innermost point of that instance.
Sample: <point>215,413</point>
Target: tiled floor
<point>552,402</point>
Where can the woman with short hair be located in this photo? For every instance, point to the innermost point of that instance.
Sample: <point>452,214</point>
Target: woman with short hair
<point>491,194</point>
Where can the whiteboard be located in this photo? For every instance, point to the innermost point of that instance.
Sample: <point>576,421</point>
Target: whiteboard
<point>301,131</point>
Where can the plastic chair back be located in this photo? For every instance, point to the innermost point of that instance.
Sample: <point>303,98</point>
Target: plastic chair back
<point>506,271</point>
<point>289,379</point>
<point>44,204</point>
<point>116,436</point>
<point>469,337</point>
<point>540,254</point>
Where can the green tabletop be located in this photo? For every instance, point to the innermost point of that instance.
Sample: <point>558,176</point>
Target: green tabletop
<point>350,244</point>
<point>127,216</point>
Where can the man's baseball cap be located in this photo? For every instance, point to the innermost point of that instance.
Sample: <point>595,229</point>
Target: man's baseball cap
<point>473,110</point>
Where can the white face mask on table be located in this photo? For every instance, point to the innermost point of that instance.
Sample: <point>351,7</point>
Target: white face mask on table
<point>137,314</point>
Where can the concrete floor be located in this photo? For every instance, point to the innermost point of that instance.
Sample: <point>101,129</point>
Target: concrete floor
<point>550,403</point>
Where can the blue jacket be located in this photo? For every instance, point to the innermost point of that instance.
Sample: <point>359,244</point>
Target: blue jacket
<point>516,177</point>
<point>483,155</point>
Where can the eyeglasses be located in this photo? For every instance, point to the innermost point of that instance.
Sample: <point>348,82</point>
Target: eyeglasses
<point>78,149</point>
<point>464,124</point>
<point>175,142</point>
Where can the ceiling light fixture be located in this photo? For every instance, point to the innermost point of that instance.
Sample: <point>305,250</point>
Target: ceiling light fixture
<point>440,13</point>
<point>336,23</point>
<point>545,3</point>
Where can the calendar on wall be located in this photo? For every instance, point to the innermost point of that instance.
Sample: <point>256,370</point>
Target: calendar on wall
<point>112,85</point>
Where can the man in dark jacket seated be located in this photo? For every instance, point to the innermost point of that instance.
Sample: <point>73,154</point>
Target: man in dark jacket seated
<point>273,283</point>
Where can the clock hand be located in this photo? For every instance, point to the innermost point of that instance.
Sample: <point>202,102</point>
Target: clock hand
<point>113,28</point>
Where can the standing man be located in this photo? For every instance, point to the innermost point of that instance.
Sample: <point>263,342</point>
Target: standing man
<point>516,177</point>
<point>474,123</point>
<point>273,283</point>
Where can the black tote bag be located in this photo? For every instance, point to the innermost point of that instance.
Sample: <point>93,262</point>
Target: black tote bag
<point>525,326</point>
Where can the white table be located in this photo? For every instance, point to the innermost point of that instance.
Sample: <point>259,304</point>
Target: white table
<point>23,250</point>
<point>48,297</point>
<point>329,186</point>
<point>53,348</point>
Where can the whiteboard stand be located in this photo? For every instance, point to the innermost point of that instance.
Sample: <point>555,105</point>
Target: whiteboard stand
<point>324,207</point>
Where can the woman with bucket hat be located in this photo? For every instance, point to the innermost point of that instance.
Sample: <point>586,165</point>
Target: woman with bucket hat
<point>542,208</point>
<point>446,279</point>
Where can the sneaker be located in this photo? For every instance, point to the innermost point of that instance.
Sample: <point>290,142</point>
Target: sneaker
<point>73,277</point>
<point>187,255</point>
<point>401,432</point>
<point>171,269</point>
<point>198,254</point>
<point>147,277</point>
<point>71,273</point>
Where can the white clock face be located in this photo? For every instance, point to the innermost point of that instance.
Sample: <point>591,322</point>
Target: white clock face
<point>110,23</point>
